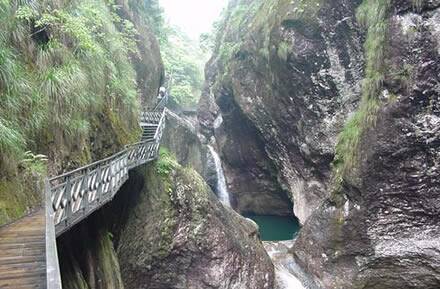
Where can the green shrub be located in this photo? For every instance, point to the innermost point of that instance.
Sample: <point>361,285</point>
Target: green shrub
<point>166,163</point>
<point>64,73</point>
<point>11,140</point>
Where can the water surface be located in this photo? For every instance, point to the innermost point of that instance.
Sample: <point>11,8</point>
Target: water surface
<point>276,228</point>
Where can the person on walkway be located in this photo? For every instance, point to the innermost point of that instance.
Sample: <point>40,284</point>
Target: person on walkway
<point>162,93</point>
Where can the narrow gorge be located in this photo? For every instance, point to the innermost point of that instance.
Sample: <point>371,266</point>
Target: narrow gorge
<point>293,145</point>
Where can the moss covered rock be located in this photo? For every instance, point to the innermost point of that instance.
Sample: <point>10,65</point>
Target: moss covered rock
<point>87,256</point>
<point>380,227</point>
<point>178,235</point>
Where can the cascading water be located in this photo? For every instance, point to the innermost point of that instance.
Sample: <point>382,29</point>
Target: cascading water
<point>222,190</point>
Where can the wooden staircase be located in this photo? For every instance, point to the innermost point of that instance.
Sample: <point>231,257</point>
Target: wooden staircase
<point>23,253</point>
<point>148,132</point>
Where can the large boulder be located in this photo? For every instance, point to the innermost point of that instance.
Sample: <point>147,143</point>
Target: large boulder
<point>181,138</point>
<point>178,235</point>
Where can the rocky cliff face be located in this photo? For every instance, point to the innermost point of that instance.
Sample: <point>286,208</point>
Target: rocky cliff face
<point>178,235</point>
<point>282,81</point>
<point>148,64</point>
<point>380,227</point>
<point>336,104</point>
<point>87,256</point>
<point>181,138</point>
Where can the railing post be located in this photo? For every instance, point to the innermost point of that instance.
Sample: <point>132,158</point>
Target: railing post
<point>113,183</point>
<point>66,196</point>
<point>99,185</point>
<point>86,190</point>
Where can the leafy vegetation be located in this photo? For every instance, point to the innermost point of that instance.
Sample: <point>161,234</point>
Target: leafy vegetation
<point>166,163</point>
<point>372,14</point>
<point>65,73</point>
<point>153,14</point>
<point>283,50</point>
<point>236,20</point>
<point>81,66</point>
<point>34,163</point>
<point>184,61</point>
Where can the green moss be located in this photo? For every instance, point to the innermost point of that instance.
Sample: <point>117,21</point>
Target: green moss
<point>181,191</point>
<point>162,200</point>
<point>372,14</point>
<point>108,262</point>
<point>72,276</point>
<point>17,197</point>
<point>283,50</point>
<point>124,133</point>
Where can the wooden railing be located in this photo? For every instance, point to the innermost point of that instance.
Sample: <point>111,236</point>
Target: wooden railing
<point>74,195</point>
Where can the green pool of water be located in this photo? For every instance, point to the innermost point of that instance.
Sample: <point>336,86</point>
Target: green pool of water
<point>276,228</point>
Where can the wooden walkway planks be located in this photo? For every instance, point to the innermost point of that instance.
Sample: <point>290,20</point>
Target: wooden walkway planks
<point>23,253</point>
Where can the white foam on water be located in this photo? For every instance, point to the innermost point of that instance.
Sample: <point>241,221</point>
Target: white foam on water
<point>286,280</point>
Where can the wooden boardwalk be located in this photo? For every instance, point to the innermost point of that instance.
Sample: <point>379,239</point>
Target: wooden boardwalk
<point>23,253</point>
<point>28,254</point>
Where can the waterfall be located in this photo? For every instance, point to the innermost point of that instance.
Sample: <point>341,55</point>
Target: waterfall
<point>222,190</point>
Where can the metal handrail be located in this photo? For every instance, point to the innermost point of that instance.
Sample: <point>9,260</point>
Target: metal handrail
<point>158,133</point>
<point>74,195</point>
<point>137,143</point>
<point>87,166</point>
<point>162,103</point>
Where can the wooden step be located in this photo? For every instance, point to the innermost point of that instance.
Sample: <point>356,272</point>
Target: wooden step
<point>25,271</point>
<point>22,238</point>
<point>7,269</point>
<point>23,252</point>
<point>22,283</point>
<point>11,260</point>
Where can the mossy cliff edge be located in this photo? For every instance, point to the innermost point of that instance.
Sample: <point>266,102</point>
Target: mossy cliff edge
<point>72,77</point>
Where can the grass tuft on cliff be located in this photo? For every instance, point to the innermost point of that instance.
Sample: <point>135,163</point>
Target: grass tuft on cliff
<point>166,163</point>
<point>372,15</point>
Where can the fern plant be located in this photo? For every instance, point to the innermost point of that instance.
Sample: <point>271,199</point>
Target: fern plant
<point>34,163</point>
